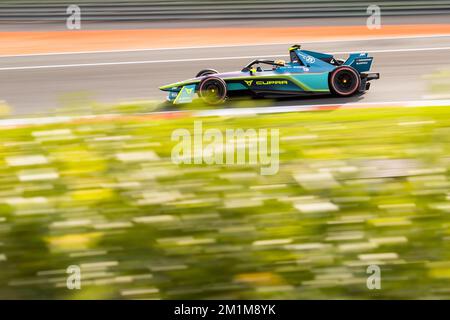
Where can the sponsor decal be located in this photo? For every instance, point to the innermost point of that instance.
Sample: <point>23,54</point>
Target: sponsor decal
<point>363,61</point>
<point>265,82</point>
<point>310,59</point>
<point>185,95</point>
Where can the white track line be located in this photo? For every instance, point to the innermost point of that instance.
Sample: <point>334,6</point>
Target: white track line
<point>226,46</point>
<point>297,108</point>
<point>198,59</point>
<point>227,111</point>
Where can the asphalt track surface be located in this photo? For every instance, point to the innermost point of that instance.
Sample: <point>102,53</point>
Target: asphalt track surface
<point>39,83</point>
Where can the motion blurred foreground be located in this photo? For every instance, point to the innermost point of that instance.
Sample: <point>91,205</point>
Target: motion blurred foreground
<point>355,187</point>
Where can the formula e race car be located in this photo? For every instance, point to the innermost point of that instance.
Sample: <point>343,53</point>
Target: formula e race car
<point>307,73</point>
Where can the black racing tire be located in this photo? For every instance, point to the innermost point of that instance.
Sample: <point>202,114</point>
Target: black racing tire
<point>344,81</point>
<point>206,72</point>
<point>213,90</point>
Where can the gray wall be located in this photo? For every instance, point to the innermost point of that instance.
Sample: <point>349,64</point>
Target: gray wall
<point>157,10</point>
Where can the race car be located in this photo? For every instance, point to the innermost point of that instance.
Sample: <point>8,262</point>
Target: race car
<point>307,73</point>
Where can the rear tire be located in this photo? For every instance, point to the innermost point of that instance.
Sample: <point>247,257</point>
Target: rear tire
<point>206,72</point>
<point>344,81</point>
<point>213,90</point>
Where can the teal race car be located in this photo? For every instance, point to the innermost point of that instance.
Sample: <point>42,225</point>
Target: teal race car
<point>307,73</point>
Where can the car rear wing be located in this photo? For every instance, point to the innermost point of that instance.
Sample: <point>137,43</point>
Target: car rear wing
<point>360,61</point>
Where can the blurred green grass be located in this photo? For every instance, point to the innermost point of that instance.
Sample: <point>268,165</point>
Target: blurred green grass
<point>355,187</point>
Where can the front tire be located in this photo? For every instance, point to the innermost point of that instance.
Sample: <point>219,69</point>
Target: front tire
<point>344,81</point>
<point>213,90</point>
<point>206,72</point>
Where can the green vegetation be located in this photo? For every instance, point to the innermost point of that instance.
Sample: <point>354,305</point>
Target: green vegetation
<point>355,187</point>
